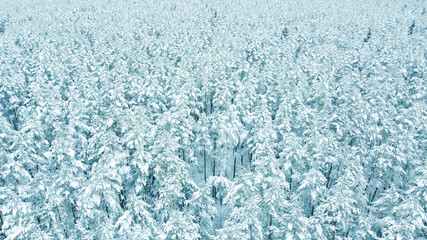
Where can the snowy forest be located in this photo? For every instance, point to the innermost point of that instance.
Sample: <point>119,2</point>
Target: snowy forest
<point>213,119</point>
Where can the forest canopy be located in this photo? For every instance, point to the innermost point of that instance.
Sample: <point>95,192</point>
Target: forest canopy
<point>213,119</point>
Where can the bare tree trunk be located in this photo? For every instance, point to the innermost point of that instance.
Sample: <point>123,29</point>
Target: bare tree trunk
<point>213,174</point>
<point>183,154</point>
<point>234,168</point>
<point>73,210</point>
<point>60,220</point>
<point>373,196</point>
<point>212,108</point>
<point>204,162</point>
<point>235,162</point>
<point>329,176</point>
<point>15,119</point>
<point>312,209</point>
<point>250,161</point>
